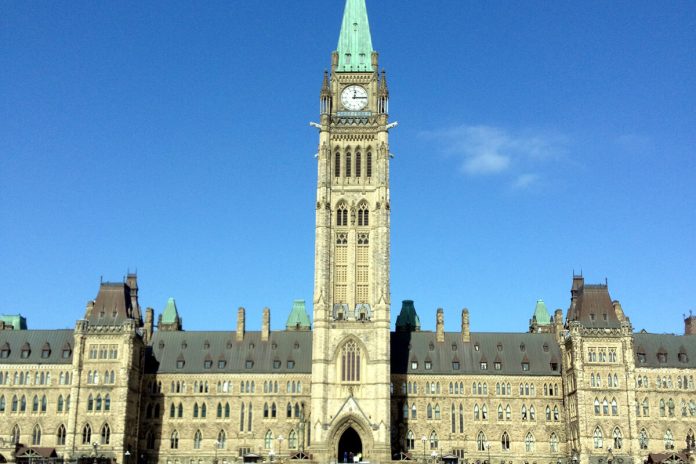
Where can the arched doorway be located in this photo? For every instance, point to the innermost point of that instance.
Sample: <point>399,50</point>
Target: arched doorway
<point>349,445</point>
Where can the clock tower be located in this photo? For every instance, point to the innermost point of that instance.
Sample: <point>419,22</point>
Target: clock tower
<point>350,405</point>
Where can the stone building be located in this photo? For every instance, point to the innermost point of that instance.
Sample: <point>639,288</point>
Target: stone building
<point>345,383</point>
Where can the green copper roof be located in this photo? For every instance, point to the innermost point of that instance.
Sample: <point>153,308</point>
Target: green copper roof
<point>408,320</point>
<point>170,314</point>
<point>355,42</point>
<point>541,313</point>
<point>298,318</point>
<point>17,321</point>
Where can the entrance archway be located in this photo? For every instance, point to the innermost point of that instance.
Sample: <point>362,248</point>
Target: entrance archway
<point>349,445</point>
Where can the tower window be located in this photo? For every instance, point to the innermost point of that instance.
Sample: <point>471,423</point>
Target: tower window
<point>342,215</point>
<point>337,165</point>
<point>358,166</point>
<point>368,166</point>
<point>348,159</point>
<point>350,362</point>
<point>363,215</point>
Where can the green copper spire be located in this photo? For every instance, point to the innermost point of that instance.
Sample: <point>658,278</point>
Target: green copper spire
<point>407,320</point>
<point>541,313</point>
<point>355,42</point>
<point>170,314</point>
<point>298,319</point>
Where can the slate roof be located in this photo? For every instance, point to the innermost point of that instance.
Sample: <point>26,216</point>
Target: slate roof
<point>591,305</point>
<point>113,304</point>
<point>515,348</point>
<point>36,340</point>
<point>281,346</point>
<point>672,345</point>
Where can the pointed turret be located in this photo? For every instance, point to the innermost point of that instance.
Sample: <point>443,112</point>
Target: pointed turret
<point>355,42</point>
<point>541,319</point>
<point>298,319</point>
<point>407,320</point>
<point>169,320</point>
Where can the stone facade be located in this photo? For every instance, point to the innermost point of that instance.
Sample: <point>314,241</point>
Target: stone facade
<point>586,389</point>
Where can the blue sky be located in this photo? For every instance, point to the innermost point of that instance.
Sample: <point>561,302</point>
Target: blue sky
<point>535,139</point>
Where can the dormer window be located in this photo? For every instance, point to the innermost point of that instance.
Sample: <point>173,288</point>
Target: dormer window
<point>207,364</point>
<point>45,353</point>
<point>66,353</point>
<point>26,351</point>
<point>554,366</point>
<point>476,347</point>
<point>683,358</point>
<point>525,366</point>
<point>5,352</point>
<point>454,347</point>
<point>249,364</point>
<point>546,347</point>
<point>592,316</point>
<point>180,364</point>
<point>662,357</point>
<point>500,347</point>
<point>291,364</point>
<point>414,365</point>
<point>484,365</point>
<point>221,364</point>
<point>428,365</point>
<point>276,364</point>
<point>497,365</point>
<point>455,365</point>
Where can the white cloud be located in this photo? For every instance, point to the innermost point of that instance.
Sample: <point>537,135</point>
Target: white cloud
<point>489,150</point>
<point>524,181</point>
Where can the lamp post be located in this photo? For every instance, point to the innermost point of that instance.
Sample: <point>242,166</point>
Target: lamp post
<point>217,445</point>
<point>280,447</point>
<point>126,457</point>
<point>424,439</point>
<point>270,455</point>
<point>488,447</point>
<point>94,452</point>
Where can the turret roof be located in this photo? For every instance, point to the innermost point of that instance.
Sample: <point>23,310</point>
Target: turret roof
<point>298,318</point>
<point>170,314</point>
<point>355,42</point>
<point>541,313</point>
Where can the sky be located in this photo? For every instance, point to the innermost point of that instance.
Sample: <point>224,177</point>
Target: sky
<point>536,140</point>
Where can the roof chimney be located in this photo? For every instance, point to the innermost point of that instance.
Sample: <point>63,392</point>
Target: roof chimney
<point>440,326</point>
<point>690,325</point>
<point>266,325</point>
<point>240,324</point>
<point>466,336</point>
<point>618,310</point>
<point>149,321</point>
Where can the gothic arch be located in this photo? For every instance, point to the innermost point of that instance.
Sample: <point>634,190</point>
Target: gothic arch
<point>360,426</point>
<point>348,339</point>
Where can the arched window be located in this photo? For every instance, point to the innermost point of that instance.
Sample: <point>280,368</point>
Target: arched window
<point>453,417</point>
<point>598,438</point>
<point>174,440</point>
<point>618,438</point>
<point>342,215</point>
<point>288,410</point>
<point>410,440</point>
<point>14,436</point>
<point>508,412</point>
<point>87,435</point>
<point>268,440</point>
<point>363,215</point>
<point>221,439</point>
<point>532,413</point>
<point>59,407</point>
<point>292,440</point>
<point>670,407</point>
<point>105,434</point>
<point>414,411</point>
<point>404,411</point>
<point>337,164</point>
<point>350,362</point>
<point>646,407</point>
<point>555,413</point>
<point>219,410</point>
<point>433,440</point>
<point>98,403</point>
<point>297,410</point>
<point>23,404</point>
<point>662,408</point>
<point>60,435</point>
<point>553,443</point>
<point>204,410</point>
<point>669,440</point>
<point>614,407</point>
<point>524,412</point>
<point>150,440</point>
<point>358,165</point>
<point>500,412</point>
<point>273,410</point>
<point>35,404</point>
<point>484,412</point>
<point>643,439</point>
<point>429,412</point>
<point>368,165</point>
<point>529,443</point>
<point>548,413</point>
<point>195,410</point>
<point>477,412</point>
<point>197,439</point>
<point>241,417</point>
<point>36,435</point>
<point>227,410</point>
<point>505,442</point>
<point>605,407</point>
<point>461,418</point>
<point>348,164</point>
<point>481,441</point>
<point>90,403</point>
<point>250,417</point>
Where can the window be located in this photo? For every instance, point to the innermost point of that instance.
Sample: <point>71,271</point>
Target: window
<point>363,215</point>
<point>481,442</point>
<point>433,440</point>
<point>484,365</point>
<point>291,364</point>
<point>207,364</point>
<point>529,443</point>
<point>86,435</point>
<point>455,365</point>
<point>197,439</point>
<point>292,440</point>
<point>643,439</point>
<point>497,365</point>
<point>368,167</point>
<point>348,163</point>
<point>553,443</point>
<point>249,364</point>
<point>337,165</point>
<point>505,442</point>
<point>410,440</point>
<point>174,440</point>
<point>60,435</point>
<point>105,434</point>
<point>36,435</point>
<point>669,440</point>
<point>428,365</point>
<point>14,437</point>
<point>358,165</point>
<point>618,438</point>
<point>598,438</point>
<point>350,362</point>
<point>525,366</point>
<point>614,407</point>
<point>268,440</point>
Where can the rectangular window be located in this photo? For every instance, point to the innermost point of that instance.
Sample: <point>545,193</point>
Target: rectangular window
<point>249,364</point>
<point>498,366</point>
<point>221,364</point>
<point>276,364</point>
<point>455,366</point>
<point>525,366</point>
<point>291,364</point>
<point>414,365</point>
<point>484,366</point>
<point>207,364</point>
<point>428,365</point>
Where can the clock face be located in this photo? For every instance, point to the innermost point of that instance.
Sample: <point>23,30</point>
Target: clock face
<point>354,98</point>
